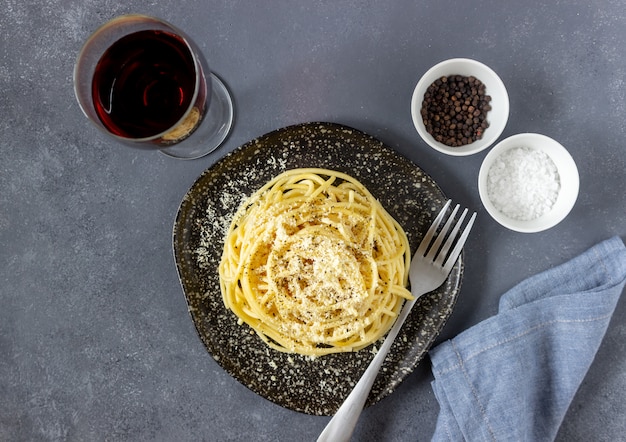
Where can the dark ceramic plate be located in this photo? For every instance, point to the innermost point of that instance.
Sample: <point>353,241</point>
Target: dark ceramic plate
<point>315,386</point>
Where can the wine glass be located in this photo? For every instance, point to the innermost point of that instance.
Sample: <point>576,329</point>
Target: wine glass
<point>145,83</point>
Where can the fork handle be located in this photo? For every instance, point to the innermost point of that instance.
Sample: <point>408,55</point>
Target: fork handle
<point>341,426</point>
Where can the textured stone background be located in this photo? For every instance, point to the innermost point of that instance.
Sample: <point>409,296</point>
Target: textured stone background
<point>95,340</point>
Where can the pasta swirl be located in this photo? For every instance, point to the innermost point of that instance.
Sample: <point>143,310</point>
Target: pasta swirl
<point>314,264</point>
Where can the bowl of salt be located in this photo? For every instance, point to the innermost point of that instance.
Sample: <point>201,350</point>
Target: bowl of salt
<point>528,182</point>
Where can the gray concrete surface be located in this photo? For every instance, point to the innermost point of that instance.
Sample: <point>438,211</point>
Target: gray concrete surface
<point>95,340</point>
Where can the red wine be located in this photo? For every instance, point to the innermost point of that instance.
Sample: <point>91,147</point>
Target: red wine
<point>144,84</point>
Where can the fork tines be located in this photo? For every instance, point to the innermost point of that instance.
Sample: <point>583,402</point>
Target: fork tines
<point>441,255</point>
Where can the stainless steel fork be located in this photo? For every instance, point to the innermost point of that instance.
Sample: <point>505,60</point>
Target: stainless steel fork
<point>430,267</point>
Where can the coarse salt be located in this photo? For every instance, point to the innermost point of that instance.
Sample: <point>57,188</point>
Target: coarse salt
<point>523,183</point>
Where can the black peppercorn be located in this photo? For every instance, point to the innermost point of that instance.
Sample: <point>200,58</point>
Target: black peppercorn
<point>454,110</point>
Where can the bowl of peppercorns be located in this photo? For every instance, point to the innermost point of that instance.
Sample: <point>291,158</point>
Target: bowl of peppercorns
<point>460,106</point>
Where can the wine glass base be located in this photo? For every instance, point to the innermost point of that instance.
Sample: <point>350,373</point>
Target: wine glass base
<point>214,128</point>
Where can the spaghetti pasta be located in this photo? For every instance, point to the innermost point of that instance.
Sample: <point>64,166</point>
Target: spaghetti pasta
<point>314,264</point>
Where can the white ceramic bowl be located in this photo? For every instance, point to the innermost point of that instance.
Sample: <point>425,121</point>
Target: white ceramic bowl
<point>568,180</point>
<point>497,116</point>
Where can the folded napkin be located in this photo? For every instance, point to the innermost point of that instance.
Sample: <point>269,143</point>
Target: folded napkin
<point>513,376</point>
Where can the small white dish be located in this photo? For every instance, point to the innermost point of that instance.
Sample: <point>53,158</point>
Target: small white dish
<point>497,116</point>
<point>567,174</point>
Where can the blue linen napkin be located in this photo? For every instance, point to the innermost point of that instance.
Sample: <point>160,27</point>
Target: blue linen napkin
<point>513,376</point>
